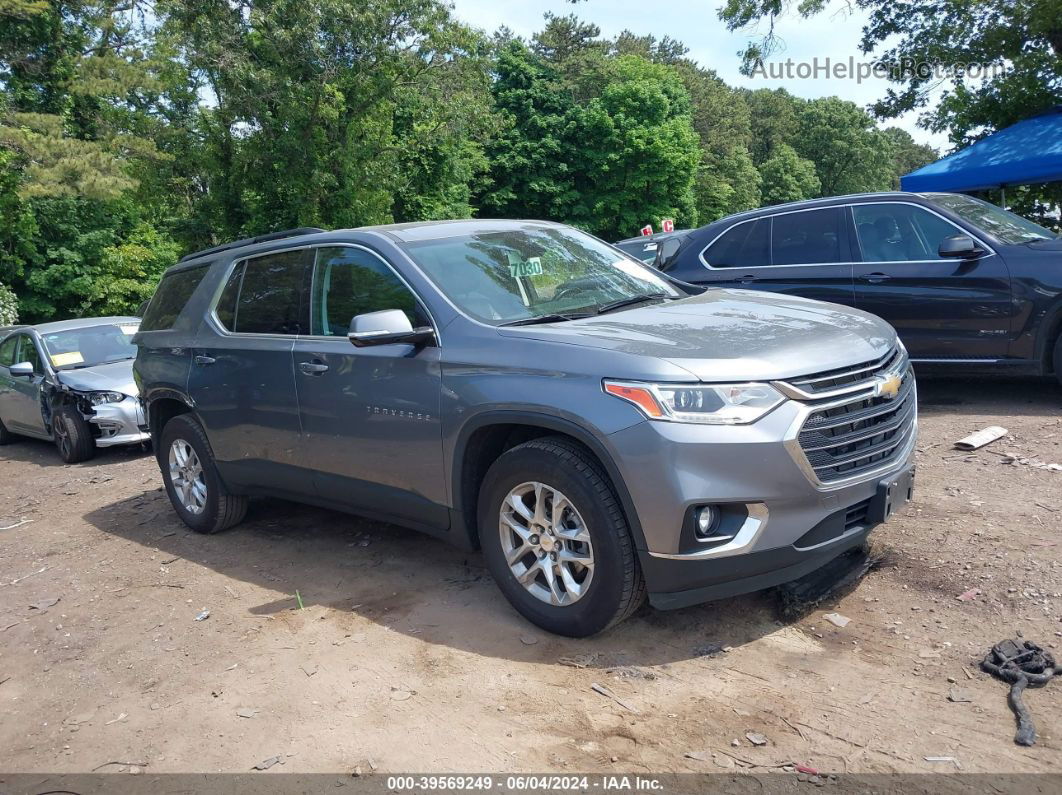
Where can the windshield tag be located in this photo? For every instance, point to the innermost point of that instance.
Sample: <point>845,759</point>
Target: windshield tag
<point>63,359</point>
<point>533,267</point>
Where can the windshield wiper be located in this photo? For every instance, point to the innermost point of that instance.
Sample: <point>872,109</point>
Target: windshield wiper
<point>553,318</point>
<point>624,302</point>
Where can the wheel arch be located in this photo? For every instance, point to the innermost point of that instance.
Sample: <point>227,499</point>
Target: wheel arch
<point>1051,331</point>
<point>161,407</point>
<point>486,436</point>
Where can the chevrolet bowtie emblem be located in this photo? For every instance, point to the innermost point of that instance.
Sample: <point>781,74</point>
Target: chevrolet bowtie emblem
<point>888,386</point>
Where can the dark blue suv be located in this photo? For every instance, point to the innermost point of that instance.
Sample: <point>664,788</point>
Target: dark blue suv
<point>964,282</point>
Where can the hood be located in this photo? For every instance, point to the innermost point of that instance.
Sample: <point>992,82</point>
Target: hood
<point>1054,244</point>
<point>111,377</point>
<point>726,335</point>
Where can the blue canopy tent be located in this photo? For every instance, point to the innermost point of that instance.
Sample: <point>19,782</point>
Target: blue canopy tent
<point>1026,152</point>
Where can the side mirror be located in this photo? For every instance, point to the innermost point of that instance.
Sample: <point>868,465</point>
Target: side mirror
<point>21,370</point>
<point>961,246</point>
<point>666,252</point>
<point>387,327</point>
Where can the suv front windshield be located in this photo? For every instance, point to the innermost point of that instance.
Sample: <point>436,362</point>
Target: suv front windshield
<point>535,272</point>
<point>1002,224</point>
<point>89,346</point>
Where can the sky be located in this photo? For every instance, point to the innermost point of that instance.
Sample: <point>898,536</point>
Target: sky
<point>832,34</point>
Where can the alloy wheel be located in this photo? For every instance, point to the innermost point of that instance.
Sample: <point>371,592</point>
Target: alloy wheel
<point>186,475</point>
<point>62,436</point>
<point>546,544</point>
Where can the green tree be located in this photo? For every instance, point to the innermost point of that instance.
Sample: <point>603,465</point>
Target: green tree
<point>788,177</point>
<point>8,306</point>
<point>850,154</point>
<point>333,113</point>
<point>634,152</point>
<point>529,172</point>
<point>907,156</point>
<point>925,45</point>
<point>772,120</point>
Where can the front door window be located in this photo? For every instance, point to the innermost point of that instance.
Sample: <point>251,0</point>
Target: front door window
<point>899,232</point>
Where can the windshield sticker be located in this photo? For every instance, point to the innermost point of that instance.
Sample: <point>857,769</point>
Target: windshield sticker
<point>63,359</point>
<point>533,267</point>
<point>130,330</point>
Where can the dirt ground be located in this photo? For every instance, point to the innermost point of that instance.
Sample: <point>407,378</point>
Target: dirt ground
<point>406,658</point>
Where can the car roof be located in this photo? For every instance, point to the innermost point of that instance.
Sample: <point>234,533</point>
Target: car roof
<point>806,204</point>
<point>409,232</point>
<point>435,230</point>
<point>84,322</point>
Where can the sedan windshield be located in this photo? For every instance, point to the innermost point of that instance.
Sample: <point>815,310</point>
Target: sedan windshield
<point>536,273</point>
<point>88,346</point>
<point>1002,224</point>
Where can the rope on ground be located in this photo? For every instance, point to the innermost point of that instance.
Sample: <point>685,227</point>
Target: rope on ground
<point>1021,664</point>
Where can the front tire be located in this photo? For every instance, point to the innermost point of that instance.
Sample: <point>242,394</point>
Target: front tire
<point>72,436</point>
<point>556,541</point>
<point>191,478</point>
<point>5,434</point>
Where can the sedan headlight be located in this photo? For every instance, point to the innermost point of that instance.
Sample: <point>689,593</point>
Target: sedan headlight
<point>99,398</point>
<point>718,404</point>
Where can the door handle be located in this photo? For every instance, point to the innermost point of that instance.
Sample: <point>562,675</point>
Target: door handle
<point>313,368</point>
<point>746,279</point>
<point>875,278</point>
<point>203,361</point>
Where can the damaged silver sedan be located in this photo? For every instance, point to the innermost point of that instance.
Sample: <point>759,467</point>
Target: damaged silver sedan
<point>71,382</point>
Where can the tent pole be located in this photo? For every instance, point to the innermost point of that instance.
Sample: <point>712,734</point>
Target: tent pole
<point>1003,197</point>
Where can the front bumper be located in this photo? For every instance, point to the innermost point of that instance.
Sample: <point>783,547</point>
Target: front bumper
<point>119,423</point>
<point>795,524</point>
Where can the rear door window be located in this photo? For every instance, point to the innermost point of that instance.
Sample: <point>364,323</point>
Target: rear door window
<point>170,297</point>
<point>272,294</point>
<point>812,237</point>
<point>746,245</point>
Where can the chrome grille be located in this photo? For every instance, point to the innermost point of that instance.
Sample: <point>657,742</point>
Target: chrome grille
<point>845,378</point>
<point>851,427</point>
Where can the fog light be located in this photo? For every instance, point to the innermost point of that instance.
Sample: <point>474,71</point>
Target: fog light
<point>705,518</point>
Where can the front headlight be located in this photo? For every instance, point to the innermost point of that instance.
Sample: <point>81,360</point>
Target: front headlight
<point>99,398</point>
<point>718,404</point>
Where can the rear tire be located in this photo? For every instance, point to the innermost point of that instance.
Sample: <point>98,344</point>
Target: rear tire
<point>191,478</point>
<point>72,435</point>
<point>550,583</point>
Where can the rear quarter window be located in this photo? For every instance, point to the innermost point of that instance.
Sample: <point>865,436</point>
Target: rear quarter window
<point>170,297</point>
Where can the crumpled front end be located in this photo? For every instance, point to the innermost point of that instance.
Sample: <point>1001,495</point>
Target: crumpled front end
<point>119,423</point>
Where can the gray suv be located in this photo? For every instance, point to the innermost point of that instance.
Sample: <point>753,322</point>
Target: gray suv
<point>597,429</point>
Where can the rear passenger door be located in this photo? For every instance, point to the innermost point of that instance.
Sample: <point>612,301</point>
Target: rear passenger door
<point>241,377</point>
<point>801,252</point>
<point>370,416</point>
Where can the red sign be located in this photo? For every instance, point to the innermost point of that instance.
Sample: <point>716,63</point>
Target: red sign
<point>668,224</point>
<point>647,230</point>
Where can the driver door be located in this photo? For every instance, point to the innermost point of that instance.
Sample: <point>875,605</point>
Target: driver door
<point>21,409</point>
<point>942,307</point>
<point>371,433</point>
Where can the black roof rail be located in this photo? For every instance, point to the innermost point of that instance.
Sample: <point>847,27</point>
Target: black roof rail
<point>301,230</point>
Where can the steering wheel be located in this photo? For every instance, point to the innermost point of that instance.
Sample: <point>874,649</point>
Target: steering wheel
<point>569,290</point>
